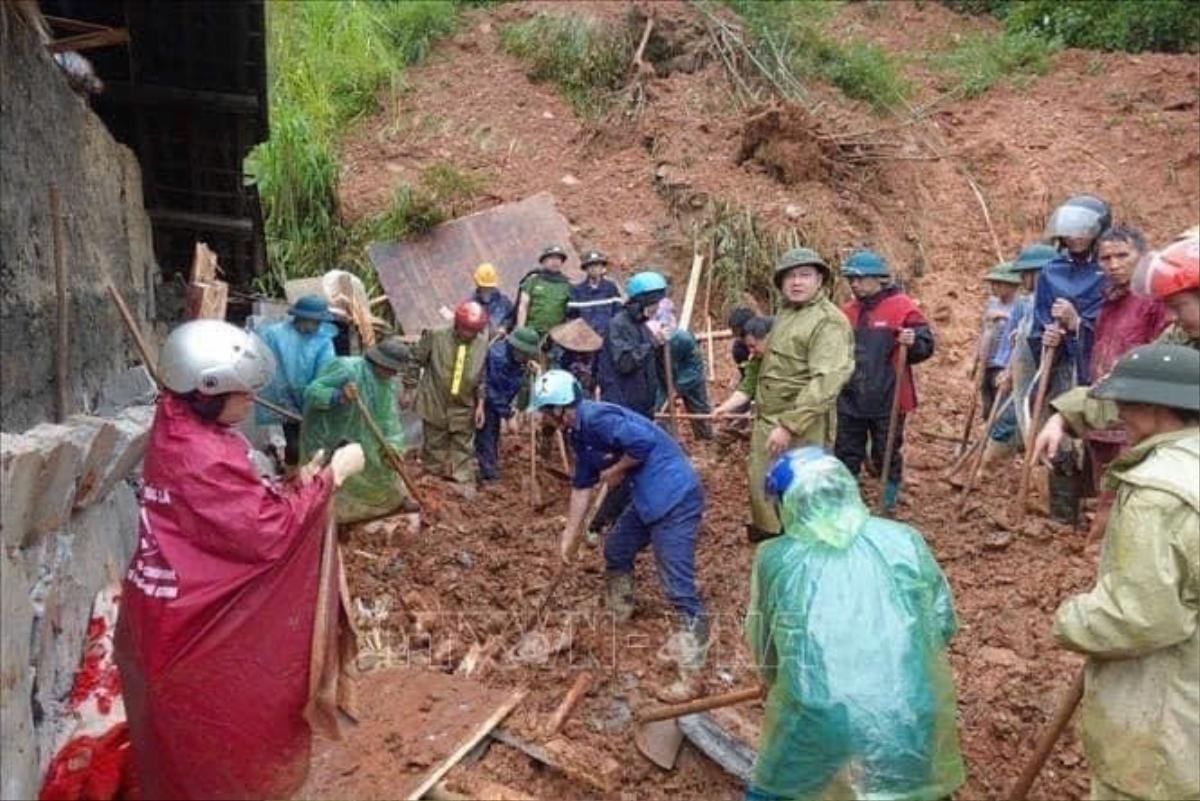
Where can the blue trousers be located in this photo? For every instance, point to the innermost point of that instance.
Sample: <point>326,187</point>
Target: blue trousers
<point>673,538</point>
<point>487,446</point>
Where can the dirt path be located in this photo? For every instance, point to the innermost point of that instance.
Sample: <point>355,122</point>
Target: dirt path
<point>1122,126</point>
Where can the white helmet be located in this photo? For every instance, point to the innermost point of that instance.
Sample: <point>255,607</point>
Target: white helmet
<point>213,357</point>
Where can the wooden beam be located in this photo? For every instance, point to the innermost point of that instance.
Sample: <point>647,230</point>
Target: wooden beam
<point>149,94</point>
<point>689,299</point>
<point>106,37</point>
<point>207,222</point>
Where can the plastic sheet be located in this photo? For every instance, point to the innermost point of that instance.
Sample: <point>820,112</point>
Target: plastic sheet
<point>849,621</point>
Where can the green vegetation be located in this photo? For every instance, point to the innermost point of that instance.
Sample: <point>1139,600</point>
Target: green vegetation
<point>586,60</point>
<point>981,60</point>
<point>1171,26</point>
<point>437,197</point>
<point>329,61</point>
<point>745,251</point>
<point>790,35</point>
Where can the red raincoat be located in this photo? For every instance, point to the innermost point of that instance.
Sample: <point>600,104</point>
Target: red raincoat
<point>213,640</point>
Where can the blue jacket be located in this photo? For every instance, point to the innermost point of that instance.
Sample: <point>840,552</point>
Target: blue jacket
<point>498,308</point>
<point>604,432</point>
<point>505,375</point>
<point>298,359</point>
<point>596,305</point>
<point>1082,283</point>
<point>1022,307</point>
<point>627,368</point>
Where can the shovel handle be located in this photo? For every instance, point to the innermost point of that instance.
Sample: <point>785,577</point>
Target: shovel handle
<point>388,453</point>
<point>700,705</point>
<point>1049,737</point>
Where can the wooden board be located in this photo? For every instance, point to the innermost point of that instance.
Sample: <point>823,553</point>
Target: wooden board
<point>414,726</point>
<point>434,269</point>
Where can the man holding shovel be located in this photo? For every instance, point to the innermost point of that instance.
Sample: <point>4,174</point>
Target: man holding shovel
<point>1140,625</point>
<point>333,411</point>
<point>612,445</point>
<point>886,323</point>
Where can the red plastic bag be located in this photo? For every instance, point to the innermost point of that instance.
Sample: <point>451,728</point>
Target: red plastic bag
<point>213,640</point>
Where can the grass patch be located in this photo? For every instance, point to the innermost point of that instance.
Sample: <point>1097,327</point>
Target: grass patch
<point>982,60</point>
<point>328,63</point>
<point>791,35</point>
<point>586,60</point>
<point>439,195</point>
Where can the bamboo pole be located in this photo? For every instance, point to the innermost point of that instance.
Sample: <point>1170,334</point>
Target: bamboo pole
<point>1049,737</point>
<point>389,453</point>
<point>974,407</point>
<point>672,408</point>
<point>977,463</point>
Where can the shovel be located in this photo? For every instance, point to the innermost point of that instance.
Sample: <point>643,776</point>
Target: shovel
<point>659,738</point>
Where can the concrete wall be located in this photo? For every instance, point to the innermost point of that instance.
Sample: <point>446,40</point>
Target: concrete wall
<point>48,135</point>
<point>68,512</point>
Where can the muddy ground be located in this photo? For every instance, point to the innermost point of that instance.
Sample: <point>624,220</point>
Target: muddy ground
<point>1122,126</point>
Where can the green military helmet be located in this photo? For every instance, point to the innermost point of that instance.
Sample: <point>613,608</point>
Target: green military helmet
<point>593,257</point>
<point>1034,257</point>
<point>799,257</point>
<point>552,250</point>
<point>1160,375</point>
<point>525,340</point>
<point>1003,273</point>
<point>390,354</point>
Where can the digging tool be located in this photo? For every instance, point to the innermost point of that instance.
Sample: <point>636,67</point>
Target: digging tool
<point>658,736</point>
<point>562,568</point>
<point>1035,422</point>
<point>389,453</point>
<point>1049,737</point>
<point>671,406</point>
<point>701,416</point>
<point>977,462</point>
<point>893,418</point>
<point>971,410</point>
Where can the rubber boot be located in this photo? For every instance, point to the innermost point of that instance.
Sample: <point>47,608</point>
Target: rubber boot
<point>891,493</point>
<point>618,589</point>
<point>687,648</point>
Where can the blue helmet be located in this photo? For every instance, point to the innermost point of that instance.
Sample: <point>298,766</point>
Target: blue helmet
<point>865,264</point>
<point>554,388</point>
<point>816,496</point>
<point>1034,257</point>
<point>644,282</point>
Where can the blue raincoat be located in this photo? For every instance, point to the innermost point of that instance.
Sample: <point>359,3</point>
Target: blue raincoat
<point>849,620</point>
<point>1082,283</point>
<point>298,358</point>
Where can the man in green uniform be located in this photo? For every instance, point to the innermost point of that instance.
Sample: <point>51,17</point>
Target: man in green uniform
<point>331,414</point>
<point>810,355</point>
<point>542,303</point>
<point>450,392</point>
<point>1140,625</point>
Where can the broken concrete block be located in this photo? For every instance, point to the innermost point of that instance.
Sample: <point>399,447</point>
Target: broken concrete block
<point>96,438</point>
<point>18,757</point>
<point>132,387</point>
<point>132,428</point>
<point>20,466</point>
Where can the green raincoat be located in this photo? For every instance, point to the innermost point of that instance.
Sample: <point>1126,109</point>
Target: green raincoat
<point>1084,413</point>
<point>1139,626</point>
<point>451,385</point>
<point>810,355</point>
<point>849,621</point>
<point>377,490</point>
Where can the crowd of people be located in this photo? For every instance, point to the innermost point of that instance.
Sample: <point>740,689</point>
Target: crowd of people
<point>849,614</point>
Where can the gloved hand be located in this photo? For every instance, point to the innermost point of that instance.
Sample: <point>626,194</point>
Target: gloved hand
<point>347,461</point>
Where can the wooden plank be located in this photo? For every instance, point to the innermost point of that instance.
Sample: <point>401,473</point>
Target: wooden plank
<point>580,688</point>
<point>689,298</point>
<point>207,301</point>
<point>567,758</point>
<point>469,742</point>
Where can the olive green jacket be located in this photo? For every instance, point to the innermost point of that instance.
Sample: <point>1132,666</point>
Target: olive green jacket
<point>810,355</point>
<point>446,396</point>
<point>548,295</point>
<point>1140,721</point>
<point>1084,413</point>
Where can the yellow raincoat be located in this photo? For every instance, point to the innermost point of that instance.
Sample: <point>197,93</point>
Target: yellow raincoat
<point>1140,721</point>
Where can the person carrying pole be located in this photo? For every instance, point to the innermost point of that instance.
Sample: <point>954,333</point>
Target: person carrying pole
<point>614,445</point>
<point>508,365</point>
<point>302,346</point>
<point>886,322</point>
<point>849,622</point>
<point>332,414</point>
<point>214,636</point>
<point>810,355</point>
<point>449,396</point>
<point>1140,625</point>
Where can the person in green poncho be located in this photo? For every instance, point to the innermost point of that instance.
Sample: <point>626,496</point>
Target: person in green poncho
<point>544,292</point>
<point>331,414</point>
<point>849,621</point>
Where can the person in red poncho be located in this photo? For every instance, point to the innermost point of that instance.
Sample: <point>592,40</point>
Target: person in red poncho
<point>214,634</point>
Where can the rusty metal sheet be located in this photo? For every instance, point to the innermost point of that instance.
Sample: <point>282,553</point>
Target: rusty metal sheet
<point>422,274</point>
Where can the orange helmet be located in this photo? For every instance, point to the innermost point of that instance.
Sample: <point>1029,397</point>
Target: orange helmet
<point>1175,268</point>
<point>470,316</point>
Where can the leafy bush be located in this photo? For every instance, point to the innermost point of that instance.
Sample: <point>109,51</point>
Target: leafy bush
<point>792,32</point>
<point>1134,26</point>
<point>585,59</point>
<point>981,60</point>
